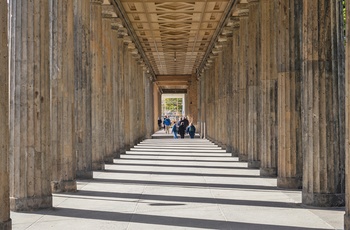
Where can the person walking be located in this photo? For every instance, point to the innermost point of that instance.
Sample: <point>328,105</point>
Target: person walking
<point>191,130</point>
<point>159,123</point>
<point>174,130</point>
<point>182,130</point>
<point>167,123</point>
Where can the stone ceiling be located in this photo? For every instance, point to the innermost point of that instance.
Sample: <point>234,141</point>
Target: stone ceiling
<point>175,35</point>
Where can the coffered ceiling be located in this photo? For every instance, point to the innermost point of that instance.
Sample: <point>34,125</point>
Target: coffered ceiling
<point>174,34</point>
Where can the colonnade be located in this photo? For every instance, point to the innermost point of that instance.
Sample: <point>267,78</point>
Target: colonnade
<point>286,113</point>
<point>77,97</point>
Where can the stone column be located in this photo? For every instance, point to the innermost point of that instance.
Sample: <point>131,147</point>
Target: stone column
<point>323,104</point>
<point>347,122</point>
<point>5,221</point>
<point>63,160</point>
<point>107,87</point>
<point>121,89</point>
<point>126,97</point>
<point>82,84</point>
<point>149,105</point>
<point>228,126</point>
<point>30,106</point>
<point>97,87</point>
<point>290,158</point>
<point>242,86</point>
<point>253,85</point>
<point>235,86</point>
<point>116,86</point>
<point>269,134</point>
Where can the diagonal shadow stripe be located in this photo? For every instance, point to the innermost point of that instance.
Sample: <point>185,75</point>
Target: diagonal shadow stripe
<point>183,199</point>
<point>164,220</point>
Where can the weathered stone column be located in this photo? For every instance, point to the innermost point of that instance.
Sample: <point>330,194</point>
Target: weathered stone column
<point>323,104</point>
<point>107,87</point>
<point>82,84</point>
<point>148,90</point>
<point>269,91</point>
<point>63,160</point>
<point>242,87</point>
<point>254,84</point>
<point>347,121</point>
<point>30,106</point>
<point>116,86</point>
<point>126,95</point>
<point>97,87</point>
<point>235,86</point>
<point>290,158</point>
<point>228,124</point>
<point>5,221</point>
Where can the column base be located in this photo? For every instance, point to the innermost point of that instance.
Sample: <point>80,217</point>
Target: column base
<point>289,182</point>
<point>323,199</point>
<point>253,164</point>
<point>127,148</point>
<point>7,225</point>
<point>108,160</point>
<point>228,149</point>
<point>243,157</point>
<point>268,172</point>
<point>30,203</point>
<point>84,175</point>
<point>64,186</point>
<point>116,155</point>
<point>346,221</point>
<point>235,152</point>
<point>98,166</point>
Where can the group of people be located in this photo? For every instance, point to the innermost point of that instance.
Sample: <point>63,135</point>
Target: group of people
<point>181,127</point>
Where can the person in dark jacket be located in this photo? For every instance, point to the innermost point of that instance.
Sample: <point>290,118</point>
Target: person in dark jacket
<point>182,130</point>
<point>186,122</point>
<point>159,123</point>
<point>191,130</point>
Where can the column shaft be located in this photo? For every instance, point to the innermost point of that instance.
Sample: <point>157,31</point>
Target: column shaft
<point>242,88</point>
<point>235,87</point>
<point>30,106</point>
<point>269,134</point>
<point>228,124</point>
<point>82,84</point>
<point>126,97</point>
<point>63,159</point>
<point>253,85</point>
<point>347,120</point>
<point>5,221</point>
<point>116,85</point>
<point>290,159</point>
<point>98,97</point>
<point>323,104</point>
<point>107,88</point>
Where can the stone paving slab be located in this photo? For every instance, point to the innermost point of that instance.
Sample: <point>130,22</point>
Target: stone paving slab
<point>179,188</point>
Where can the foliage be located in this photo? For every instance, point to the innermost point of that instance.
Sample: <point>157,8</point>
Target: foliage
<point>173,104</point>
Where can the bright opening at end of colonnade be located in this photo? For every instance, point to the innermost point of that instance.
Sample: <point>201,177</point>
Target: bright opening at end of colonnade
<point>173,106</point>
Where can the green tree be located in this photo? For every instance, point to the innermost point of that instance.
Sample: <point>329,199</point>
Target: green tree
<point>173,104</point>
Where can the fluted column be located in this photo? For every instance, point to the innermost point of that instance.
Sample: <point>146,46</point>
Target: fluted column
<point>97,87</point>
<point>116,85</point>
<point>290,158</point>
<point>323,104</point>
<point>242,86</point>
<point>126,97</point>
<point>30,106</point>
<point>107,87</point>
<point>269,91</point>
<point>82,84</point>
<point>228,62</point>
<point>121,91</point>
<point>235,86</point>
<point>63,161</point>
<point>253,85</point>
<point>5,221</point>
<point>148,105</point>
<point>347,122</point>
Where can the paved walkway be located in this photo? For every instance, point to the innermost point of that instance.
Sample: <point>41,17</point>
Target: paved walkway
<point>179,184</point>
